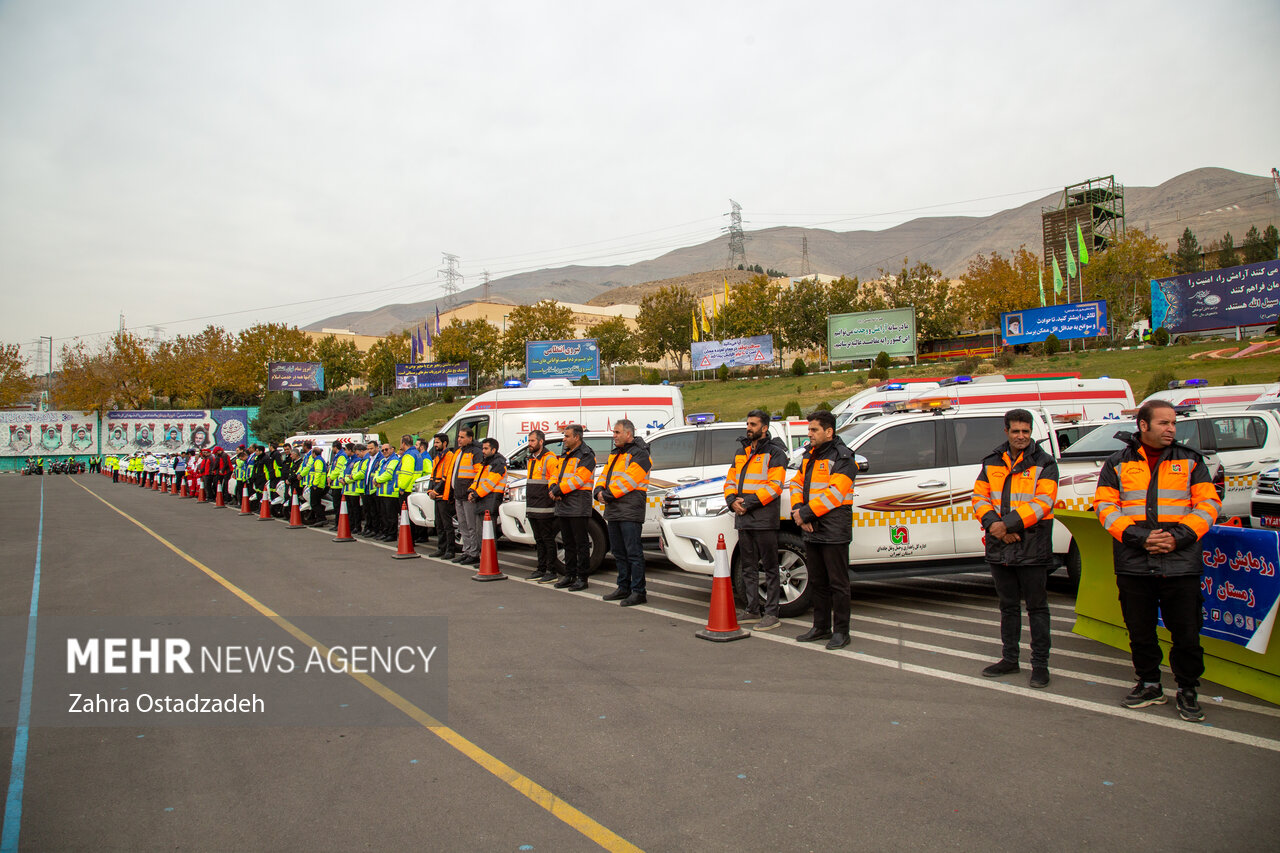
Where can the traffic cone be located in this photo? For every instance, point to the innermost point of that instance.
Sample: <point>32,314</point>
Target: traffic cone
<point>489,570</point>
<point>344,524</point>
<point>295,514</point>
<point>177,484</point>
<point>722,623</point>
<point>204,499</point>
<point>404,545</point>
<point>244,499</point>
<point>217,497</point>
<point>155,482</point>
<point>264,507</point>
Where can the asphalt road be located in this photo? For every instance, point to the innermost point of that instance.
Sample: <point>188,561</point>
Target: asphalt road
<point>574,724</point>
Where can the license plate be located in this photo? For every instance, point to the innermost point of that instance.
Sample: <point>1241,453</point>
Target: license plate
<point>1271,521</point>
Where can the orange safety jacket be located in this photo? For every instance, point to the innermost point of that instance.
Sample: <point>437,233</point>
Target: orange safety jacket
<point>442,481</point>
<point>757,475</point>
<point>623,485</point>
<point>490,482</point>
<point>1020,491</point>
<point>1131,504</point>
<point>466,465</point>
<point>576,470</point>
<point>822,491</point>
<point>544,469</point>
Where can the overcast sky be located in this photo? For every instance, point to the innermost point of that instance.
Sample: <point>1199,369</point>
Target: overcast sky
<point>176,160</point>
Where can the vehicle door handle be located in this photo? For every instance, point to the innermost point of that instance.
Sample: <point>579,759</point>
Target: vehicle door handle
<point>686,479</point>
<point>930,484</point>
<point>1269,461</point>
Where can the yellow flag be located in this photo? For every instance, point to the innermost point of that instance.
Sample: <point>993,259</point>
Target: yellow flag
<point>706,327</point>
<point>726,290</point>
<point>693,318</point>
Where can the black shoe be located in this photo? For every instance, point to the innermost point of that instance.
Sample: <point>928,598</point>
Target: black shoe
<point>565,582</point>
<point>438,554</point>
<point>389,537</point>
<point>578,585</point>
<point>617,595</point>
<point>1143,695</point>
<point>448,555</point>
<point>459,559</point>
<point>1039,677</point>
<point>813,635</point>
<point>838,641</point>
<point>1188,706</point>
<point>633,599</point>
<point>536,574</point>
<point>1001,667</point>
<point>747,616</point>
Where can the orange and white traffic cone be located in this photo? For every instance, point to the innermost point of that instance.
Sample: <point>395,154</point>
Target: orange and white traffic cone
<point>404,545</point>
<point>244,499</point>
<point>264,506</point>
<point>218,496</point>
<point>722,623</point>
<point>295,514</point>
<point>204,498</point>
<point>344,524</point>
<point>489,570</point>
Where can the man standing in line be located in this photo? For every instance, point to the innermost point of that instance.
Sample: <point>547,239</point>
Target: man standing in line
<point>319,485</point>
<point>751,489</point>
<point>441,465</point>
<point>491,480</point>
<point>1013,500</point>
<point>1156,499</point>
<point>337,474</point>
<point>406,475</point>
<point>623,487</point>
<point>425,467</point>
<point>388,494</point>
<point>466,463</point>
<point>822,506</point>
<point>372,505</point>
<point>353,484</point>
<point>572,493</point>
<point>538,506</point>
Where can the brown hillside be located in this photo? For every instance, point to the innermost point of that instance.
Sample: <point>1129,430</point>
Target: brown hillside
<point>698,283</point>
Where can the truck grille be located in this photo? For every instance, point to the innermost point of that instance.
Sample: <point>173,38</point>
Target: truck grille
<point>670,507</point>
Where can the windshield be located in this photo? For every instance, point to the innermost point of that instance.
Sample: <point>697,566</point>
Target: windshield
<point>1103,442</point>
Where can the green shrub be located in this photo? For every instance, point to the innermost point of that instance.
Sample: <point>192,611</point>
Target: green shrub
<point>883,361</point>
<point>1231,380</point>
<point>791,409</point>
<point>799,368</point>
<point>1052,346</point>
<point>1160,337</point>
<point>824,405</point>
<point>1005,358</point>
<point>722,373</point>
<point>1159,382</point>
<point>651,376</point>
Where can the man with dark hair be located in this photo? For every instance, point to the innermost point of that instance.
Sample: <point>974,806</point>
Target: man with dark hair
<point>1013,500</point>
<point>466,464</point>
<point>372,503</point>
<point>751,487</point>
<point>822,507</point>
<point>1156,499</point>
<point>490,483</point>
<point>441,462</point>
<point>572,493</point>
<point>623,487</point>
<point>539,509</point>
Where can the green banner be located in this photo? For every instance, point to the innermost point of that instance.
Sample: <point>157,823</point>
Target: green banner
<point>868,333</point>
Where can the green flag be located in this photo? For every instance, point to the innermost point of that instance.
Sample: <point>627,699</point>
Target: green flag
<point>1071,260</point>
<point>1080,246</point>
<point>1057,274</point>
<point>1041,287</point>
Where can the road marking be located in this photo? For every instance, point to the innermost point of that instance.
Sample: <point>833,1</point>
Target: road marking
<point>537,794</point>
<point>21,736</point>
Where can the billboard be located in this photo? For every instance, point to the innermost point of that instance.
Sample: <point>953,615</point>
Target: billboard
<point>734,352</point>
<point>433,374</point>
<point>295,376</point>
<point>1239,585</point>
<point>48,433</point>
<point>868,333</point>
<point>562,359</point>
<point>1066,321</point>
<point>171,431</point>
<point>1219,299</point>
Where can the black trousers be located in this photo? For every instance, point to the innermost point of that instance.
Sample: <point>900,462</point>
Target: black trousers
<point>1014,584</point>
<point>759,549</point>
<point>577,546</point>
<point>829,575</point>
<point>444,525</point>
<point>1178,600</point>
<point>544,541</point>
<point>372,513</point>
<point>390,506</point>
<point>353,512</point>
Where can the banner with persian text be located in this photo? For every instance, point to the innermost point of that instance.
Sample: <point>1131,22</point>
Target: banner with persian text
<point>732,352</point>
<point>562,359</point>
<point>866,334</point>
<point>48,433</point>
<point>1247,295</point>
<point>171,431</point>
<point>1067,321</point>
<point>433,374</point>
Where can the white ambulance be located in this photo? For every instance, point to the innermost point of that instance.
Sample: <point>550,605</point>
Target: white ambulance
<point>870,402</point>
<point>1208,398</point>
<point>1085,399</point>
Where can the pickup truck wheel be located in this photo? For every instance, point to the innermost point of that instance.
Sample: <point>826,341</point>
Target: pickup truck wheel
<point>1072,565</point>
<point>597,535</point>
<point>795,595</point>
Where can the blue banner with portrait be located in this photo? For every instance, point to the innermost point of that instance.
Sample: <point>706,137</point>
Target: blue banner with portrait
<point>1067,321</point>
<point>732,352</point>
<point>295,376</point>
<point>1239,584</point>
<point>562,359</point>
<point>1247,295</point>
<point>433,374</point>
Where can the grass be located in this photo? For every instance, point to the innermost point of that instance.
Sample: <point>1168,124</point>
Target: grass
<point>733,399</point>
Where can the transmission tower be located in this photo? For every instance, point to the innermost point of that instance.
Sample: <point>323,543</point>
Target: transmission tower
<point>804,256</point>
<point>121,329</point>
<point>485,278</point>
<point>452,278</point>
<point>737,240</point>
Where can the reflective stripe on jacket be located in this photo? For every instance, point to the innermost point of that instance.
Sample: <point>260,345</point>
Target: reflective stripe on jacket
<point>1021,493</point>
<point>576,471</point>
<point>822,491</point>
<point>623,485</point>
<point>407,471</point>
<point>319,478</point>
<point>543,470</point>
<point>1131,504</point>
<point>353,480</point>
<point>466,462</point>
<point>757,474</point>
<point>385,476</point>
<point>490,484</point>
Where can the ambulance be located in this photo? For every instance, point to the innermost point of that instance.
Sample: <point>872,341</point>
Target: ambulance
<point>1083,399</point>
<point>870,402</point>
<point>1208,398</point>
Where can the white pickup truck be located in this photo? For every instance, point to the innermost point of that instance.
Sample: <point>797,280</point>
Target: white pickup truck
<point>912,512</point>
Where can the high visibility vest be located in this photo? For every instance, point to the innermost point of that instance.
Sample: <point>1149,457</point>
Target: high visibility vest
<point>406,471</point>
<point>338,470</point>
<point>750,474</point>
<point>492,476</point>
<point>1030,495</point>
<point>353,480</point>
<point>319,480</point>
<point>543,470</point>
<point>386,476</point>
<point>622,474</point>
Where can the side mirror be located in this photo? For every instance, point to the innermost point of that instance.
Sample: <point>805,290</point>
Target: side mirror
<point>861,461</point>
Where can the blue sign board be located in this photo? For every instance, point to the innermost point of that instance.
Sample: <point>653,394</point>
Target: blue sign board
<point>295,376</point>
<point>433,374</point>
<point>562,359</point>
<point>1066,321</point>
<point>1239,584</point>
<point>734,352</point>
<point>1247,295</point>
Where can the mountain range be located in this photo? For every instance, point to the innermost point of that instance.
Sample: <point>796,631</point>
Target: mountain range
<point>1210,201</point>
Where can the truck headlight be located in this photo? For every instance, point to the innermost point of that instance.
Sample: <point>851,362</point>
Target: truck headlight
<point>515,493</point>
<point>708,506</point>
<point>421,486</point>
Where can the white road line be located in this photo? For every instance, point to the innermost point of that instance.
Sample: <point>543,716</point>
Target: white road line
<point>955,617</point>
<point>990,608</point>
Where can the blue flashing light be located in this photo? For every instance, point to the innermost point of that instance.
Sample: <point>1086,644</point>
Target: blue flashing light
<point>956,380</point>
<point>513,383</point>
<point>893,386</point>
<point>1189,383</point>
<point>700,419</point>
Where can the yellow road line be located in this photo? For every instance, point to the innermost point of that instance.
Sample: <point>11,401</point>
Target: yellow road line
<point>600,834</point>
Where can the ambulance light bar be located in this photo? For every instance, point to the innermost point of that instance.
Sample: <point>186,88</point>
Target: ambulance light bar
<point>930,404</point>
<point>892,386</point>
<point>1068,418</point>
<point>700,419</point>
<point>1188,383</point>
<point>956,380</point>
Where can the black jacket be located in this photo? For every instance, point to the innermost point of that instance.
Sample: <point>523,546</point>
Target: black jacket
<point>834,527</point>
<point>629,507</point>
<point>758,516</point>
<point>577,502</point>
<point>1035,547</point>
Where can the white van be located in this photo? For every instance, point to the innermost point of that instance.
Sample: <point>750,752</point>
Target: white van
<point>869,402</point>
<point>1208,398</point>
<point>1086,399</point>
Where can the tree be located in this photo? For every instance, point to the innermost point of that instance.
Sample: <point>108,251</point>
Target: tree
<point>1254,247</point>
<point>995,284</point>
<point>803,316</point>
<point>475,341</point>
<point>1122,276</point>
<point>548,320</point>
<point>1227,256</point>
<point>115,375</point>
<point>1271,238</point>
<point>663,323</point>
<point>380,361</point>
<point>842,296</point>
<point>203,359</point>
<point>753,309</point>
<point>15,382</point>
<point>923,287</point>
<point>340,360</point>
<point>261,344</point>
<point>1187,258</point>
<point>616,341</point>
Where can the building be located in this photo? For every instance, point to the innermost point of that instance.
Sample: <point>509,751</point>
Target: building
<point>362,342</point>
